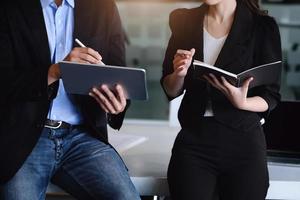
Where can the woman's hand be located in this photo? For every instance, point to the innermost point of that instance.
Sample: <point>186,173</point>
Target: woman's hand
<point>173,83</point>
<point>237,96</point>
<point>182,61</point>
<point>109,101</point>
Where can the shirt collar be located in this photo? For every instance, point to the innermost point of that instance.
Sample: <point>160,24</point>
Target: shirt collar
<point>46,3</point>
<point>71,3</point>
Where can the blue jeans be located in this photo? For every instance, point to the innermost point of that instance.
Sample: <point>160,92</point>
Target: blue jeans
<point>78,163</point>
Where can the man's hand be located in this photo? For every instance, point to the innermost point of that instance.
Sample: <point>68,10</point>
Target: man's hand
<point>84,55</point>
<point>109,101</point>
<point>78,54</point>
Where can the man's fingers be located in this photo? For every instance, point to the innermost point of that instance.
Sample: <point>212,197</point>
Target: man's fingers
<point>108,101</point>
<point>121,96</point>
<point>78,60</point>
<point>104,101</point>
<point>87,54</point>
<point>92,94</point>
<point>88,58</point>
<point>93,53</point>
<point>112,98</point>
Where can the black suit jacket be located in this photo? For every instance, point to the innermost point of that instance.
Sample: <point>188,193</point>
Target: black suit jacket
<point>25,60</point>
<point>252,40</point>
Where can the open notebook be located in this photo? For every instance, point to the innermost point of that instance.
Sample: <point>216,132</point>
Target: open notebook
<point>265,74</point>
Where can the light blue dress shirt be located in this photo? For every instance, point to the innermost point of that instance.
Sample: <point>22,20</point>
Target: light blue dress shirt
<point>59,23</point>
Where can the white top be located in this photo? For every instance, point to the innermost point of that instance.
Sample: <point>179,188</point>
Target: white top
<point>211,49</point>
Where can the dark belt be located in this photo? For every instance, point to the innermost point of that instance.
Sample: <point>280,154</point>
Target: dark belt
<point>54,124</point>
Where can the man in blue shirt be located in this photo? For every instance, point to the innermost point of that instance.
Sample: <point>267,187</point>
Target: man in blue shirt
<point>46,134</point>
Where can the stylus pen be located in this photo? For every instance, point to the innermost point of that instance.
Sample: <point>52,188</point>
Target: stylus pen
<point>82,45</point>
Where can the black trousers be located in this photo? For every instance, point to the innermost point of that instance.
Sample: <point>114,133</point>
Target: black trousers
<point>214,161</point>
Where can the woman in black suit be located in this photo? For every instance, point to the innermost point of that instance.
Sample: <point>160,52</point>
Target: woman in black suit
<point>221,146</point>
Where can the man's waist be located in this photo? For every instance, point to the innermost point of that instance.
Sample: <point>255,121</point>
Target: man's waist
<point>58,124</point>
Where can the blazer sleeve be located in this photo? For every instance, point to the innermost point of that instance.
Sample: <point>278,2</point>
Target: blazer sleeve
<point>116,56</point>
<point>269,50</point>
<point>175,21</point>
<point>17,82</point>
<point>116,49</point>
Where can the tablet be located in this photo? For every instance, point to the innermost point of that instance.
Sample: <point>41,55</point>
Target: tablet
<point>79,78</point>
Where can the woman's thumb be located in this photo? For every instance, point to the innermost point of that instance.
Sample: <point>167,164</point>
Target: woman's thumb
<point>193,50</point>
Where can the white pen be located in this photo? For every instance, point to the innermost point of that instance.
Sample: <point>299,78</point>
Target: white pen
<point>82,45</point>
<point>79,43</point>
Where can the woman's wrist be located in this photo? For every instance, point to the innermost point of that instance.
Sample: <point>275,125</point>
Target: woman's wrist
<point>173,84</point>
<point>254,104</point>
<point>175,77</point>
<point>244,105</point>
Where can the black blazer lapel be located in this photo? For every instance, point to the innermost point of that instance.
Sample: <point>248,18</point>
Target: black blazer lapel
<point>34,19</point>
<point>91,25</point>
<point>237,40</point>
<point>197,31</point>
<point>82,21</point>
<point>187,28</point>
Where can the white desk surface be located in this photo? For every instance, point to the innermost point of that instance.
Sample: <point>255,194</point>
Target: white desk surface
<point>148,161</point>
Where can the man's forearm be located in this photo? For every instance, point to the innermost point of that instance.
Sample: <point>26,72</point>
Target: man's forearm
<point>53,73</point>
